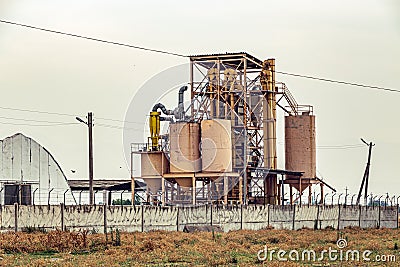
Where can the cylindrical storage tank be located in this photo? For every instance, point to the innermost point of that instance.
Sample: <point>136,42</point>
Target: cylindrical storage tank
<point>184,147</point>
<point>184,182</point>
<point>300,151</point>
<point>216,145</point>
<point>153,166</point>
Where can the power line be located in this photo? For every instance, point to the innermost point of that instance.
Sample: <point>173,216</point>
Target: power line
<point>91,38</point>
<point>118,127</point>
<point>60,114</point>
<point>39,111</point>
<point>181,55</point>
<point>115,120</point>
<point>19,119</point>
<point>40,125</point>
<point>340,82</point>
<point>335,146</point>
<point>340,146</point>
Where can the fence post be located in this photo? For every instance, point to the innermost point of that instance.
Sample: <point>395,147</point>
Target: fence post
<point>397,218</point>
<point>317,217</point>
<point>105,218</point>
<point>142,217</point>
<point>241,216</point>
<point>338,220</point>
<point>211,215</point>
<point>177,218</point>
<point>15,217</point>
<point>268,217</point>
<point>379,216</point>
<point>48,199</point>
<point>294,216</point>
<point>359,216</point>
<point>62,216</point>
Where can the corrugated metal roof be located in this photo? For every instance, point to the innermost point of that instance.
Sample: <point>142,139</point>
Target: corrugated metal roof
<point>115,184</point>
<point>235,59</point>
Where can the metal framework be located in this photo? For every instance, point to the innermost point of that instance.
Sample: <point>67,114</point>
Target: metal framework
<point>240,88</point>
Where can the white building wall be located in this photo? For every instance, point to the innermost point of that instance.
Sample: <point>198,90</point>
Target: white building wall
<point>23,160</point>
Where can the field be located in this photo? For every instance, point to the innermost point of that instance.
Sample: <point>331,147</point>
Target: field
<point>159,248</point>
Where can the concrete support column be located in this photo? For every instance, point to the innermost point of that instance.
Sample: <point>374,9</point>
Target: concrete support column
<point>15,217</point>
<point>62,209</point>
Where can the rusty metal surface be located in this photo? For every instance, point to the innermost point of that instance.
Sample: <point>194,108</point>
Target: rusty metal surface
<point>185,147</point>
<point>216,139</point>
<point>300,151</point>
<point>153,164</point>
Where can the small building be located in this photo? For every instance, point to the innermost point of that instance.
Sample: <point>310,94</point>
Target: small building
<point>29,174</point>
<point>106,190</point>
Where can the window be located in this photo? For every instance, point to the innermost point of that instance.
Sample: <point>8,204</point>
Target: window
<point>15,193</point>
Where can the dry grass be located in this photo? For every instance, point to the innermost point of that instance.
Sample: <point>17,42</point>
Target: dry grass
<point>159,248</point>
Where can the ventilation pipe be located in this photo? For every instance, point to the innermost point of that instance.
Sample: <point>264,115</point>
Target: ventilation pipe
<point>180,111</point>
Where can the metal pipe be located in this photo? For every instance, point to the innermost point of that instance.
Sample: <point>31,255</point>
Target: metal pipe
<point>33,196</point>
<point>1,191</point>
<point>379,200</point>
<point>181,96</point>
<point>324,201</point>
<point>121,196</point>
<point>332,198</point>
<point>373,200</point>
<point>80,196</point>
<point>316,198</point>
<point>94,197</point>
<point>166,119</point>
<point>352,197</point>
<point>163,109</point>
<point>64,194</point>
<point>48,199</point>
<point>340,195</point>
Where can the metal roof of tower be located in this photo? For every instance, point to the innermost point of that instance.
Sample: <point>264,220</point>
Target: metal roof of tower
<point>233,60</point>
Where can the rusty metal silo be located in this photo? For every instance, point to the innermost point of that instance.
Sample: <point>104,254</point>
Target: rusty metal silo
<point>216,142</point>
<point>184,147</point>
<point>300,150</point>
<point>154,165</point>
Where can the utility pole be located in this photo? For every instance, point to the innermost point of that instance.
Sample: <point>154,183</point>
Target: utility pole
<point>89,123</point>
<point>366,174</point>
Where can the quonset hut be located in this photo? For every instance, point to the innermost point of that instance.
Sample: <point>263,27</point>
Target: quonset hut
<point>29,174</point>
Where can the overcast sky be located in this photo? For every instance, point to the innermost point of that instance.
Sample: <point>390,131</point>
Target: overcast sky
<point>356,41</point>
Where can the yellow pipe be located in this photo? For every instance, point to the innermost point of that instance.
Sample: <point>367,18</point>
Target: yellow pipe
<point>154,124</point>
